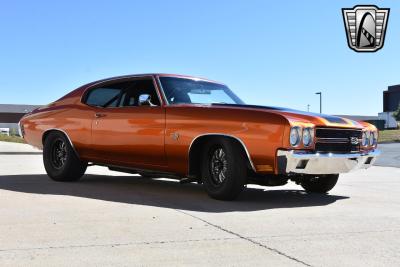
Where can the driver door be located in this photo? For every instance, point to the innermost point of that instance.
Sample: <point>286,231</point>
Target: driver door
<point>127,132</point>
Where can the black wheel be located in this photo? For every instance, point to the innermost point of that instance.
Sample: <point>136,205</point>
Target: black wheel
<point>224,170</point>
<point>60,161</point>
<point>320,184</point>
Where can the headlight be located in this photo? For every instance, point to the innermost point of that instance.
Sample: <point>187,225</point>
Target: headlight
<point>295,136</point>
<point>365,139</point>
<point>308,134</point>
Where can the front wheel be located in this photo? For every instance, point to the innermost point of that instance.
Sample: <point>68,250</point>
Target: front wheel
<point>224,169</point>
<point>320,184</point>
<point>60,161</point>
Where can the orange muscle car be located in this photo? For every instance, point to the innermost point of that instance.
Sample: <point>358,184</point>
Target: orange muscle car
<point>195,130</point>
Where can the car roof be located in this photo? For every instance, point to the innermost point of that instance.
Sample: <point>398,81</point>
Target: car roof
<point>153,74</point>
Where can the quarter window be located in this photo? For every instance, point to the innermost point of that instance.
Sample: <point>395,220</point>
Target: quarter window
<point>103,97</point>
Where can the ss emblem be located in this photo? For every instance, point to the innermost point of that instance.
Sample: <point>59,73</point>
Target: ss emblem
<point>354,140</point>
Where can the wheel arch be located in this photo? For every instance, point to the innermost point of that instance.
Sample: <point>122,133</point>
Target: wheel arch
<point>48,131</point>
<point>195,147</point>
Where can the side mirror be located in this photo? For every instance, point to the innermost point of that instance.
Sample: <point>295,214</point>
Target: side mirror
<point>145,100</point>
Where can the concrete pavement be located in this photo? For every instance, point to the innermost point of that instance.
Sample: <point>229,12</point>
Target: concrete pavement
<point>390,156</point>
<point>110,218</point>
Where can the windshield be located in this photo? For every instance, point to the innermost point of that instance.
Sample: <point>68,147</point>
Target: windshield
<point>190,91</point>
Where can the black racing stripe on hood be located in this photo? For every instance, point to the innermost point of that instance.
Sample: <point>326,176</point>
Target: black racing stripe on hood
<point>332,119</point>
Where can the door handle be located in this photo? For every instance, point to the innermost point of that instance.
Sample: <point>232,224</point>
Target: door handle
<point>99,115</point>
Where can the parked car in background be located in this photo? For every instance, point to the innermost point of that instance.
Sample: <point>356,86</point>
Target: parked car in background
<point>5,131</point>
<point>195,130</point>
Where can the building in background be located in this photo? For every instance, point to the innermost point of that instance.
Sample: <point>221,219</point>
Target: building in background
<point>391,98</point>
<point>391,101</point>
<point>11,114</point>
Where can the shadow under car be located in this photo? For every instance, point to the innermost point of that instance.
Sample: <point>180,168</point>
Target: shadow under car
<point>163,193</point>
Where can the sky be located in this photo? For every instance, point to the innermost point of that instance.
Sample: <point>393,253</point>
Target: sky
<point>275,53</point>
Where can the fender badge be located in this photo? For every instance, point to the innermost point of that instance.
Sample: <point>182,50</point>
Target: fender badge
<point>175,136</point>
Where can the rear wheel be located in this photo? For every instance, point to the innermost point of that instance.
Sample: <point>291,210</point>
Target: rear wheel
<point>60,160</point>
<point>224,169</point>
<point>320,183</point>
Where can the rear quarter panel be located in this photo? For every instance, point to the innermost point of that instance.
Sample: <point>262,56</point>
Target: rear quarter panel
<point>74,119</point>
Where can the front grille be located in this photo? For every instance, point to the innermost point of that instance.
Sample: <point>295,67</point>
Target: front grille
<point>337,140</point>
<point>336,147</point>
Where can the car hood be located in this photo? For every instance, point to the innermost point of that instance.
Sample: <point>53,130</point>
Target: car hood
<point>293,115</point>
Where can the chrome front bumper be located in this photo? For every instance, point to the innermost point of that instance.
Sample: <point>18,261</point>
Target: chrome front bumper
<point>315,163</point>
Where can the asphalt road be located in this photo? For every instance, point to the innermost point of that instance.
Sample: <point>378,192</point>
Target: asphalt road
<point>111,218</point>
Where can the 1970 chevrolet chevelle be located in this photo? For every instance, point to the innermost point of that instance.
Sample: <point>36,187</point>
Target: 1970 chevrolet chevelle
<point>195,130</point>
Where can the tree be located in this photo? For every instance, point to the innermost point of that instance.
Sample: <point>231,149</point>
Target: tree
<point>396,114</point>
<point>13,132</point>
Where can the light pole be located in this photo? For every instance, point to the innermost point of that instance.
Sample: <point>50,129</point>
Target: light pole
<point>320,101</point>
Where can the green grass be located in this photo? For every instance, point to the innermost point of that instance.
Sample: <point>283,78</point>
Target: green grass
<point>12,138</point>
<point>388,136</point>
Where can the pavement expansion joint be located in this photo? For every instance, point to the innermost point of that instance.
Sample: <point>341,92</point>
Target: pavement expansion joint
<point>274,250</point>
<point>118,244</point>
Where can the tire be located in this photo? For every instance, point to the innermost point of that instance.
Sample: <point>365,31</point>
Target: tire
<point>60,160</point>
<point>320,184</point>
<point>228,161</point>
